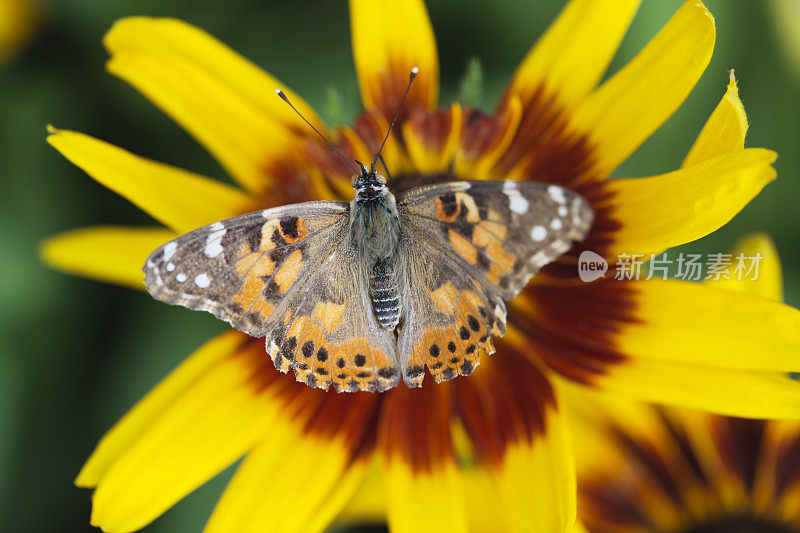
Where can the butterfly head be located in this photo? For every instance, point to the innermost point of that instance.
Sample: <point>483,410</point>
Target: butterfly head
<point>369,185</point>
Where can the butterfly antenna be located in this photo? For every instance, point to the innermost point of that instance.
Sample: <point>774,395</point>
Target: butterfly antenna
<point>411,76</point>
<point>285,99</point>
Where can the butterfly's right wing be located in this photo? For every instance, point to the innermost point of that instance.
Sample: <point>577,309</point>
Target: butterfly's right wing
<point>241,269</point>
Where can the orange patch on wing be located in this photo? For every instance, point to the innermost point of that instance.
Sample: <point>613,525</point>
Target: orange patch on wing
<point>350,366</point>
<point>452,350</point>
<point>447,354</point>
<point>486,232</point>
<point>463,201</point>
<point>289,271</point>
<point>463,247</point>
<point>443,298</point>
<point>271,227</point>
<point>328,314</point>
<point>494,274</point>
<point>494,216</point>
<point>499,256</point>
<point>267,230</point>
<point>253,268</point>
<point>473,214</point>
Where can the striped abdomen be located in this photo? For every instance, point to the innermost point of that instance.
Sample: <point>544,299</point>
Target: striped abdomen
<point>384,294</point>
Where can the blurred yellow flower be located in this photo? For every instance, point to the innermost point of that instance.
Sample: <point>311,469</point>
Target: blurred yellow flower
<point>785,16</point>
<point>18,21</point>
<point>647,469</point>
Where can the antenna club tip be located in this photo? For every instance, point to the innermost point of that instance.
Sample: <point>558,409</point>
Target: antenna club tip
<point>283,96</point>
<point>414,72</point>
<point>278,91</point>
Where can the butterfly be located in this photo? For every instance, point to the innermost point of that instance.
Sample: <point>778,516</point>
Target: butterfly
<point>357,294</point>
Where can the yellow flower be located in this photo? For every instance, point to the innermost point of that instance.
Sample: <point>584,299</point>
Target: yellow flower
<point>655,469</point>
<point>19,20</point>
<point>307,451</point>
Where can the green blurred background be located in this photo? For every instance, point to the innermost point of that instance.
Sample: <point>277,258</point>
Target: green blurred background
<point>75,354</point>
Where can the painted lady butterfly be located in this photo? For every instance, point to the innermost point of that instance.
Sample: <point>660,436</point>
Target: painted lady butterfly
<point>357,294</point>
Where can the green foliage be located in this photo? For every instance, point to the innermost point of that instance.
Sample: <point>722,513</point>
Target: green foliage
<point>471,85</point>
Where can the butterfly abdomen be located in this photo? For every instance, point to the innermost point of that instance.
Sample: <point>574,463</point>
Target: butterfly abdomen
<point>384,294</point>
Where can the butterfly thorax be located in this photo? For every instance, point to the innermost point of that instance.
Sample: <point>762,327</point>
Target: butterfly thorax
<point>375,229</point>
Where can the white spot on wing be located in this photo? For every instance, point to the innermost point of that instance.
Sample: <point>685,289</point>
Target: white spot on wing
<point>557,194</point>
<point>538,233</point>
<point>540,258</point>
<point>216,226</point>
<point>181,277</point>
<point>214,243</point>
<point>169,250</point>
<point>517,203</point>
<point>563,211</point>
<point>202,280</point>
<point>556,224</point>
<point>170,267</point>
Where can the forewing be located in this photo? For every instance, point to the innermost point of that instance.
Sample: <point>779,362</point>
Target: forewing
<point>241,269</point>
<point>502,231</point>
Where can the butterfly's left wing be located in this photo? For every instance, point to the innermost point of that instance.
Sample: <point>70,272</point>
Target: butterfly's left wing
<point>287,274</point>
<point>472,246</point>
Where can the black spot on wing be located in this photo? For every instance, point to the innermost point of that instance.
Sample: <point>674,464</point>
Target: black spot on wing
<point>289,227</point>
<point>414,371</point>
<point>449,204</point>
<point>277,239</point>
<point>253,238</point>
<point>308,349</point>
<point>387,372</point>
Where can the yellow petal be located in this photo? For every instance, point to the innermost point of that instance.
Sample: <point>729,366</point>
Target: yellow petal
<point>579,528</point>
<point>177,198</point>
<point>662,211</point>
<point>769,283</point>
<point>733,392</point>
<point>478,152</point>
<point>368,504</point>
<point>108,253</point>
<point>592,414</point>
<point>537,480</point>
<point>724,131</point>
<point>389,38</point>
<point>227,103</point>
<point>696,325</point>
<point>569,59</point>
<point>291,482</point>
<point>431,140</point>
<point>199,420</point>
<point>630,105</point>
<point>427,501</point>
